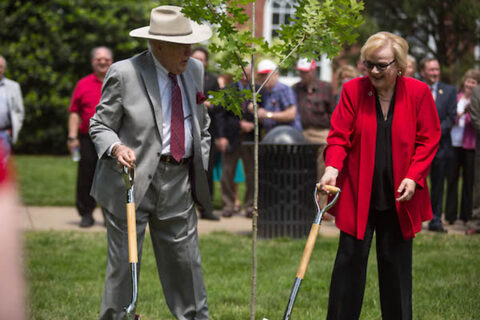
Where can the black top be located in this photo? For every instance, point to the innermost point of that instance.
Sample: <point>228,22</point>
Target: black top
<point>383,195</point>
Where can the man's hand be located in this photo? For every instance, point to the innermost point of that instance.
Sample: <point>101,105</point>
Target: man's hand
<point>222,144</point>
<point>262,113</point>
<point>246,126</point>
<point>406,189</point>
<point>250,107</point>
<point>72,144</point>
<point>125,156</point>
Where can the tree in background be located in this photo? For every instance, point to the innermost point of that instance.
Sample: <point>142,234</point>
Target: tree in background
<point>47,45</point>
<point>445,29</point>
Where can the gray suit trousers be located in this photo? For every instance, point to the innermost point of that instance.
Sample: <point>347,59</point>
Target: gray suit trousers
<point>168,208</point>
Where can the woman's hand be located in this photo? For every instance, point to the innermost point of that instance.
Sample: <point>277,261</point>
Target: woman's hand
<point>329,177</point>
<point>406,189</point>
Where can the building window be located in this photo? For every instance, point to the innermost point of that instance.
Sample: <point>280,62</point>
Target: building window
<point>276,13</point>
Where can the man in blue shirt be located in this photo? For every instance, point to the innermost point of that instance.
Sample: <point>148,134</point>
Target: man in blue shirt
<point>279,103</point>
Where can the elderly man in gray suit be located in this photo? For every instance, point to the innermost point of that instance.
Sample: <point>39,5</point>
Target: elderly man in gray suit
<point>11,110</point>
<point>151,116</point>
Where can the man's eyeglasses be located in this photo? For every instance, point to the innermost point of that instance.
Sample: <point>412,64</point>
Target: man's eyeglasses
<point>380,66</point>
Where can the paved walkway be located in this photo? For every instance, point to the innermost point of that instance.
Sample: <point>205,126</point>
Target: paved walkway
<point>66,218</point>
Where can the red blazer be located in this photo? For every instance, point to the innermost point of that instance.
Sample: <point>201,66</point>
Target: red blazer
<point>351,149</point>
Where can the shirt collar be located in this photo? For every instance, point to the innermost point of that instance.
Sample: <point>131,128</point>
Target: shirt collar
<point>96,78</point>
<point>276,87</point>
<point>315,85</point>
<point>2,81</point>
<point>158,65</point>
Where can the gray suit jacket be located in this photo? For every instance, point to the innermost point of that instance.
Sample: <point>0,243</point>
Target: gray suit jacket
<point>130,112</point>
<point>15,106</point>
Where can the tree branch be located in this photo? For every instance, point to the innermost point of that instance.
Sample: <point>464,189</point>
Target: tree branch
<point>276,69</point>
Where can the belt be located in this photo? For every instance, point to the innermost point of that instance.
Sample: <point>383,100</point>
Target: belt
<point>170,159</point>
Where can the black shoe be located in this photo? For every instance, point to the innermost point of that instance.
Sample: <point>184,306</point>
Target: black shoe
<point>209,216</point>
<point>87,221</point>
<point>437,228</point>
<point>227,214</point>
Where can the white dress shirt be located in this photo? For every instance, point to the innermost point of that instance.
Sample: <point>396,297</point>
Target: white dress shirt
<point>458,129</point>
<point>165,87</point>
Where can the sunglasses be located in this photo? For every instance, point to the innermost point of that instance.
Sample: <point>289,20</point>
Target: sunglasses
<point>380,66</point>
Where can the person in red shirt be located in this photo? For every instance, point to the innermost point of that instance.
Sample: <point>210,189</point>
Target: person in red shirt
<point>85,98</point>
<point>383,137</point>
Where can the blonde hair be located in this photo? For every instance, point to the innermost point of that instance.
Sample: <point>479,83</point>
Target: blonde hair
<point>382,39</point>
<point>412,59</point>
<point>346,70</point>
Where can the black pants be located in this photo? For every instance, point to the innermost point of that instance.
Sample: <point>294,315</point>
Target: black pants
<point>86,169</point>
<point>438,174</point>
<point>464,159</point>
<point>394,257</point>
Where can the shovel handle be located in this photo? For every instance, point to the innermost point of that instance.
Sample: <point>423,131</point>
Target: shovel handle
<point>307,252</point>
<point>132,233</point>
<point>331,189</point>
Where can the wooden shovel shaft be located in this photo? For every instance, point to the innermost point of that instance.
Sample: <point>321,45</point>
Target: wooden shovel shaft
<point>132,233</point>
<point>307,252</point>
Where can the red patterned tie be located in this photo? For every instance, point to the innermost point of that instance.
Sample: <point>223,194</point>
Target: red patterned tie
<point>177,130</point>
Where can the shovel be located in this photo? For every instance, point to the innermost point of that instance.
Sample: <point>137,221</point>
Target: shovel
<point>128,176</point>
<point>307,252</point>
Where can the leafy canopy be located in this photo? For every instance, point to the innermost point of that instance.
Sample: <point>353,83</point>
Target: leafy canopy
<point>318,27</point>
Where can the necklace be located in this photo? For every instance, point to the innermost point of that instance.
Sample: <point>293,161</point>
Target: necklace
<point>384,100</point>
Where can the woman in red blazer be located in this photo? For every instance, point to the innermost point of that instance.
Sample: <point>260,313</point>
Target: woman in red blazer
<point>384,134</point>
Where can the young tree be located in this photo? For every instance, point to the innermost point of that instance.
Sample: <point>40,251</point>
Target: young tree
<point>318,27</point>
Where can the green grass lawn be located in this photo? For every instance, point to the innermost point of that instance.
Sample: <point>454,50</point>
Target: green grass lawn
<point>66,273</point>
<point>46,180</point>
<point>66,270</point>
<point>51,181</point>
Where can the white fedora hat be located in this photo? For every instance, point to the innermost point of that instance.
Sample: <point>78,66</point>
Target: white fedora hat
<point>168,24</point>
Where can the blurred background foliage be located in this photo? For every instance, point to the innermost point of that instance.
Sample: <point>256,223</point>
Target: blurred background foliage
<point>445,29</point>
